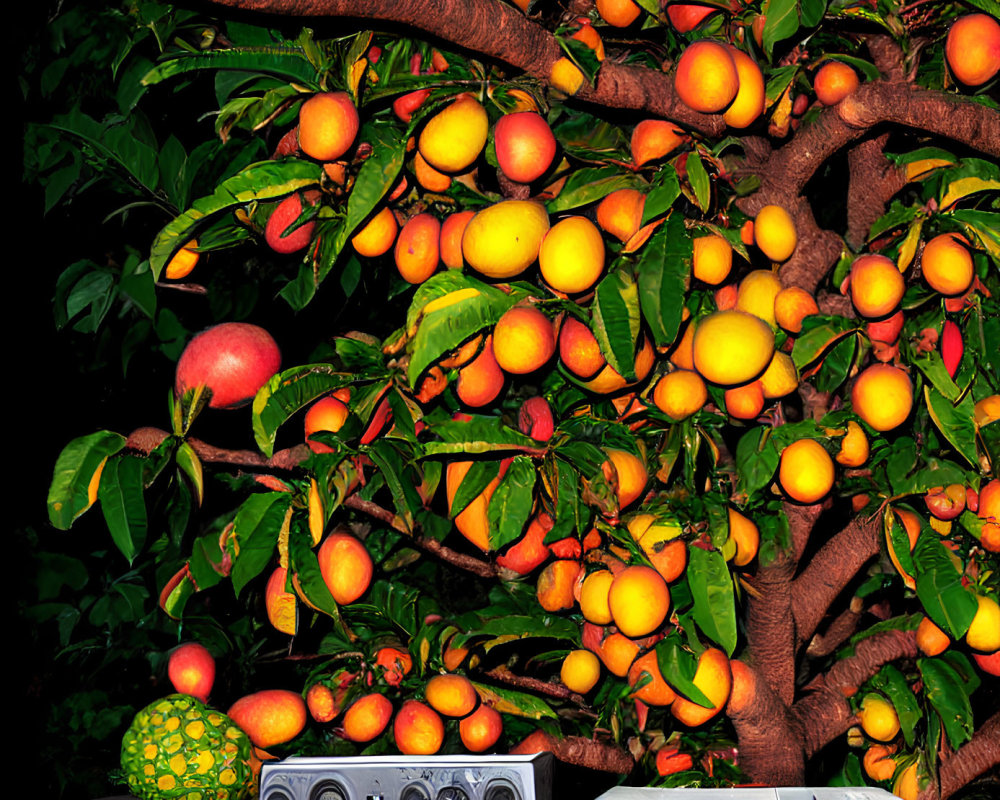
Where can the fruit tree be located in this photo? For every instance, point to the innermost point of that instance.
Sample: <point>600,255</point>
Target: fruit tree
<point>618,379</point>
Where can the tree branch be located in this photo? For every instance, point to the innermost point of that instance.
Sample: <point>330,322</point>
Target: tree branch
<point>873,182</point>
<point>771,626</point>
<point>973,758</point>
<point>557,690</point>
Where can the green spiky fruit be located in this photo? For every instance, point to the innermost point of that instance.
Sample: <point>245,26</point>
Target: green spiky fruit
<point>179,747</point>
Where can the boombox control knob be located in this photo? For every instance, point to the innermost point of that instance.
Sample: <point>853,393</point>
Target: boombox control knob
<point>328,790</point>
<point>414,792</point>
<point>500,791</point>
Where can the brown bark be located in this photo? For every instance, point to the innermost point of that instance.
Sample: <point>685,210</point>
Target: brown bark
<point>873,183</point>
<point>973,758</point>
<point>771,627</point>
<point>557,690</point>
<point>587,753</point>
<point>837,632</point>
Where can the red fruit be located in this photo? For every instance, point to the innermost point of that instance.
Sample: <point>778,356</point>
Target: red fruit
<point>191,670</point>
<point>669,760</point>
<point>287,211</point>
<point>886,330</point>
<point>404,106</point>
<point>685,17</point>
<point>525,145</point>
<point>288,145</point>
<point>535,419</point>
<point>233,359</point>
<point>951,347</point>
<point>530,550</point>
<point>989,662</point>
<point>946,502</point>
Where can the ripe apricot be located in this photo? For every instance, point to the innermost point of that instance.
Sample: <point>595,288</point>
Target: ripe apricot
<point>712,258</point>
<point>276,232</point>
<point>706,79</point>
<point>523,340</point>
<point>326,414</point>
<point>530,551</point>
<point>806,471</point>
<point>984,632</point>
<point>594,597</point>
<point>631,474</point>
<point>834,81</point>
<point>587,34</point>
<point>481,729</point>
<point>578,349</point>
<point>609,380</point>
<point>688,16</point>
<point>656,691</point>
<point>417,729</point>
<point>554,589</point>
<point>367,717</point>
<point>416,251</point>
<point>453,138</point>
<point>617,652</point>
<point>757,293</point>
<point>774,233</point>
<point>525,145</point>
<point>947,264</point>
<point>472,521</point>
<point>780,378</point>
<point>191,670</point>
<point>665,551</point>
<point>907,784</point>
<point>481,380</point>
<point>732,347</point>
<point>714,678</point>
<point>749,102</point>
<point>745,534</point>
<point>746,401</point>
<point>378,234</point>
<point>269,717</point>
<point>281,605</point>
<point>973,49</point>
<point>451,695</point>
<point>571,257</point>
<point>882,396</point>
<point>682,355</point>
<point>931,640</point>
<point>183,261</point>
<point>853,447</point>
<point>639,600</point>
<point>345,565</point>
<point>566,76</point>
<point>876,285</point>
<point>792,305</point>
<point>618,13</point>
<point>503,240</point>
<point>878,762</point>
<point>620,213</point>
<point>878,718</point>
<point>580,671</point>
<point>395,664</point>
<point>744,687</point>
<point>328,124</point>
<point>680,393</point>
<point>452,230</point>
<point>321,703</point>
<point>431,179</point>
<point>653,139</point>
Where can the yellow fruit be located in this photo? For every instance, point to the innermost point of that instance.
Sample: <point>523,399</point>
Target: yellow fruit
<point>853,447</point>
<point>280,605</point>
<point>712,259</point>
<point>594,597</point>
<point>973,49</point>
<point>631,474</point>
<point>503,240</point>
<point>745,534</point>
<point>947,264</point>
<point>580,671</point>
<point>774,232</point>
<point>706,79</point>
<point>780,378</point>
<point>791,306</point>
<point>566,76</point>
<point>878,718</point>
<point>907,785</point>
<point>453,138</point>
<point>756,295</point>
<point>732,347</point>
<point>451,695</point>
<point>523,340</point>
<point>749,102</point>
<point>882,396</point>
<point>183,262</point>
<point>680,393</point>
<point>715,679</point>
<point>571,257</point>
<point>806,471</point>
<point>639,600</point>
<point>377,236</point>
<point>984,632</point>
<point>876,286</point>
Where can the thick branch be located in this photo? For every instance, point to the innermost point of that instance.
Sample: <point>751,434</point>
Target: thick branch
<point>771,626</point>
<point>837,632</point>
<point>586,753</point>
<point>973,759</point>
<point>824,713</point>
<point>830,570</point>
<point>873,182</point>
<point>801,521</point>
<point>557,690</point>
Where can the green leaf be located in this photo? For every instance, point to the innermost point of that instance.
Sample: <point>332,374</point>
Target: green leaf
<point>661,197</point>
<point>510,505</point>
<point>260,182</point>
<point>77,463</point>
<point>819,333</point>
<point>616,321</point>
<point>390,465</point>
<point>681,666</point>
<point>190,465</point>
<point>587,185</point>
<point>782,22</point>
<point>895,686</point>
<point>664,270</point>
<point>700,182</point>
<point>812,12</point>
<point>284,62</point>
<point>955,421</point>
<point>932,366</point>
<point>123,505</point>
<point>714,602</point>
<point>947,694</point>
<point>478,435</point>
<point>949,604</point>
<point>511,701</point>
<point>756,460</point>
<point>255,530</point>
<point>303,563</point>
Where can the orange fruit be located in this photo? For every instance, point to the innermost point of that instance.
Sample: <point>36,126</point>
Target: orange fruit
<point>617,652</point>
<point>579,350</point>
<point>554,589</point>
<point>746,401</point>
<point>417,248</point>
<point>367,717</point>
<point>580,671</point>
<point>609,380</point>
<point>326,414</point>
<point>453,138</point>
<point>395,664</point>
<point>525,145</point>
<point>712,259</point>
<point>973,49</point>
<point>853,447</point>
<point>590,37</point>
<point>620,213</point>
<point>618,13</point>
<point>876,286</point>
<point>806,471</point>
<point>452,230</point>
<point>431,179</point>
<point>328,124</point>
<point>931,640</point>
<point>321,703</point>
<point>744,687</point>
<point>774,233</point>
<point>732,347</point>
<point>878,718</point>
<point>270,717</point>
<point>745,534</point>
<point>481,729</point>
<point>503,240</point>
<point>417,729</point>
<point>780,378</point>
<point>834,81</point>
<point>191,670</point>
<point>791,306</point>
<point>656,691</point>
<point>631,473</point>
<point>749,102</point>
<point>378,234</point>
<point>706,79</point>
<point>345,565</point>
<point>451,695</point>
<point>680,393</point>
<point>639,600</point>
<point>947,264</point>
<point>878,762</point>
<point>571,257</point>
<point>523,340</point>
<point>481,380</point>
<point>472,521</point>
<point>907,785</point>
<point>281,605</point>
<point>183,261</point>
<point>882,396</point>
<point>659,541</point>
<point>653,139</point>
<point>715,679</point>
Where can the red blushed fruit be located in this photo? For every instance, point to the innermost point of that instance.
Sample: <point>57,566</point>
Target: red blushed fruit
<point>404,106</point>
<point>952,347</point>
<point>669,760</point>
<point>191,670</point>
<point>530,550</point>
<point>525,145</point>
<point>234,360</point>
<point>535,419</point>
<point>286,212</point>
<point>685,17</point>
<point>886,330</point>
<point>988,663</point>
<point>946,502</point>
